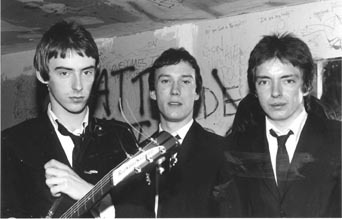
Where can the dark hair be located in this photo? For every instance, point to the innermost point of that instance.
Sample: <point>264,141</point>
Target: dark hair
<point>331,97</point>
<point>286,48</point>
<point>58,40</point>
<point>174,56</point>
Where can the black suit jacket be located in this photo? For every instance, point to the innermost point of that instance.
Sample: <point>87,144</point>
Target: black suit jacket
<point>314,180</point>
<point>188,188</point>
<point>29,145</point>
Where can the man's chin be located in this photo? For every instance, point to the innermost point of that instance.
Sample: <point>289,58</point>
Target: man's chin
<point>76,110</point>
<point>277,117</point>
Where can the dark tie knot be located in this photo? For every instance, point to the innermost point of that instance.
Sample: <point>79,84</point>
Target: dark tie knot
<point>64,131</point>
<point>77,140</point>
<point>281,138</point>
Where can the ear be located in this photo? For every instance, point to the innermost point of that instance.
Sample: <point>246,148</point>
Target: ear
<point>39,77</point>
<point>306,90</point>
<point>197,96</point>
<point>153,95</point>
<point>306,93</point>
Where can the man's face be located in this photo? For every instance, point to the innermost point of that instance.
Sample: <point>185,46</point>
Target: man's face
<point>175,92</point>
<point>279,89</point>
<point>70,83</point>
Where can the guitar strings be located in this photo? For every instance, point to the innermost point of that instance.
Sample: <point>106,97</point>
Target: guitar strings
<point>98,186</point>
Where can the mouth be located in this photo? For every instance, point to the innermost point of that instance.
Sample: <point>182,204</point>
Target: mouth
<point>277,105</point>
<point>77,99</point>
<point>174,103</point>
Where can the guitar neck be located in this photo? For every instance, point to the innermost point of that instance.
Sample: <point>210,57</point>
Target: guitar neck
<point>144,158</point>
<point>83,205</point>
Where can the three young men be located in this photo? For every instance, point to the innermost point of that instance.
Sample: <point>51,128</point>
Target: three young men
<point>42,162</point>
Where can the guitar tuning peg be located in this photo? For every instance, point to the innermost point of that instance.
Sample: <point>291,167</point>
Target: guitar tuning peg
<point>173,160</point>
<point>160,170</point>
<point>137,170</point>
<point>148,179</point>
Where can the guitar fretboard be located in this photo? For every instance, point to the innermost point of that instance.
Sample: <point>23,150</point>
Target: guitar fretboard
<point>101,188</point>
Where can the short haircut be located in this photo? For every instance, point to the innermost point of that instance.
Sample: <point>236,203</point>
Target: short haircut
<point>58,40</point>
<point>288,49</point>
<point>174,56</point>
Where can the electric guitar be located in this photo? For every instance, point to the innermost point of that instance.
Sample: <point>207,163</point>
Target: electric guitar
<point>157,149</point>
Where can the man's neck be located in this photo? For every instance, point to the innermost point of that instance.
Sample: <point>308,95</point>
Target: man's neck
<point>71,121</point>
<point>172,127</point>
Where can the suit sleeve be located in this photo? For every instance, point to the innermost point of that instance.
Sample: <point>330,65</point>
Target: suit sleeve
<point>11,190</point>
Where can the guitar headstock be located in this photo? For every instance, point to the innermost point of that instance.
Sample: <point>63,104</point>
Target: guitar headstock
<point>160,145</point>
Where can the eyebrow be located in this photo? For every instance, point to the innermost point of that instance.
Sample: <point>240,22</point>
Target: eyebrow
<point>70,69</point>
<point>282,77</point>
<point>262,77</point>
<point>187,76</point>
<point>168,75</point>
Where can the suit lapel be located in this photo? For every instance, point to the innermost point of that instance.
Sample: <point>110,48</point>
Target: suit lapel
<point>308,144</point>
<point>188,144</point>
<point>50,142</point>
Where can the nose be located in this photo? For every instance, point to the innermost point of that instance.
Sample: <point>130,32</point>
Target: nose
<point>77,82</point>
<point>175,89</point>
<point>276,89</point>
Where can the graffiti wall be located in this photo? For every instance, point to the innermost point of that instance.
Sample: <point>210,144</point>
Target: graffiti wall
<point>221,46</point>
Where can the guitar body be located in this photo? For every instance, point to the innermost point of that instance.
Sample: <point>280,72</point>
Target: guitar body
<point>153,151</point>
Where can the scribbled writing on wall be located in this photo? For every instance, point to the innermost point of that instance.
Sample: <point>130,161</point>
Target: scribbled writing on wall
<point>210,103</point>
<point>329,25</point>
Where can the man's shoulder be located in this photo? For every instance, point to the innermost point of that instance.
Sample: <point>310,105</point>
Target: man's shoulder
<point>205,135</point>
<point>325,123</point>
<point>112,124</point>
<point>112,128</point>
<point>205,130</point>
<point>25,136</point>
<point>25,127</point>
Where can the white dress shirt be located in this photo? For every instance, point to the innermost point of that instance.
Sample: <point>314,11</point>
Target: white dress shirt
<point>180,132</point>
<point>292,141</point>
<point>66,141</point>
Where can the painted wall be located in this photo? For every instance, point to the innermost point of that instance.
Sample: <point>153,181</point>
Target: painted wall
<point>221,46</point>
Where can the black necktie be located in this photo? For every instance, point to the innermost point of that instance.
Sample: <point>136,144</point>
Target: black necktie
<point>173,158</point>
<point>282,160</point>
<point>77,140</point>
<point>178,137</point>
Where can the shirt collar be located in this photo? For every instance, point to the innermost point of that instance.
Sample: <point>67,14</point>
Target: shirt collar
<point>182,131</point>
<point>78,131</point>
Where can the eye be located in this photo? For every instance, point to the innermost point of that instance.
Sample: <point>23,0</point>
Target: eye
<point>88,72</point>
<point>290,81</point>
<point>63,73</point>
<point>186,82</point>
<point>164,81</point>
<point>262,82</point>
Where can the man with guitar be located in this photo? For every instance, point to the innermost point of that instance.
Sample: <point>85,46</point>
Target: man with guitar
<point>49,162</point>
<point>185,188</point>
